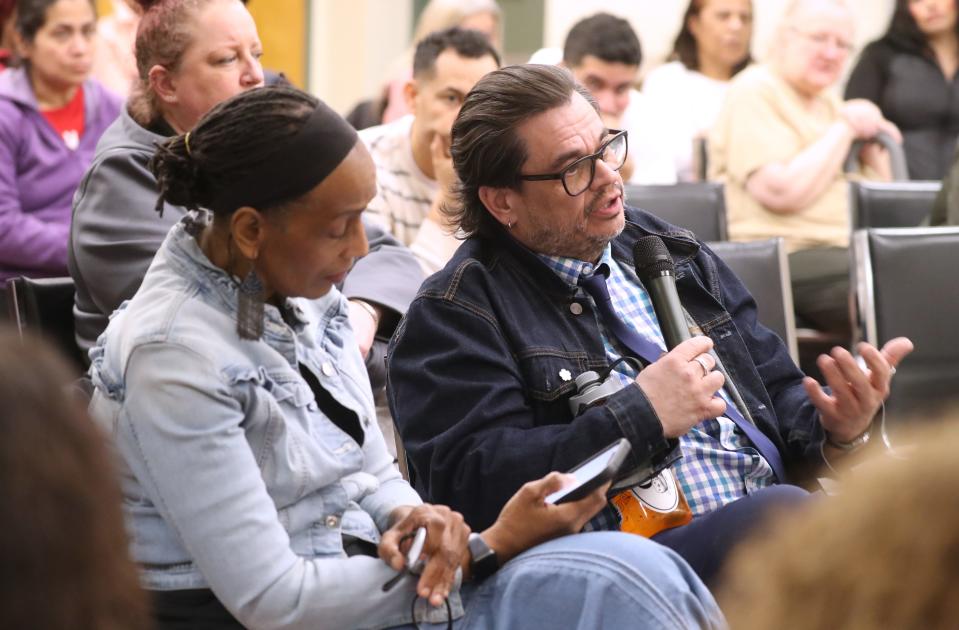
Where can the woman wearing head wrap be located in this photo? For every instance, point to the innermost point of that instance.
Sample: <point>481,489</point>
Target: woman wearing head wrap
<point>240,408</point>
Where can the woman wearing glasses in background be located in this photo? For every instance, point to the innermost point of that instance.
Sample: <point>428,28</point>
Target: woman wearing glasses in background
<point>780,144</point>
<point>910,73</point>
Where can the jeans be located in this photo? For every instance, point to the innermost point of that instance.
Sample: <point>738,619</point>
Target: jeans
<point>590,580</point>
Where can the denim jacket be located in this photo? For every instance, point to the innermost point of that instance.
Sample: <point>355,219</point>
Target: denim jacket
<point>481,370</point>
<point>232,477</point>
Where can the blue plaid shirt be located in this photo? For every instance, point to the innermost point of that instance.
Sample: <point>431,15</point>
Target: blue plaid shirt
<point>718,464</point>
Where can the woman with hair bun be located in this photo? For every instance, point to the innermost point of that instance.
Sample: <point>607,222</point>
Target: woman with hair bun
<point>191,55</point>
<point>51,117</point>
<point>258,489</point>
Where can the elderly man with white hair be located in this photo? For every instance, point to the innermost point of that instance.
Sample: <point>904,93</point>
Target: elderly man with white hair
<point>780,144</point>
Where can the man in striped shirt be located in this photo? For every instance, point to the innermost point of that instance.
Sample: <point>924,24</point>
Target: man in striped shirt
<point>414,172</point>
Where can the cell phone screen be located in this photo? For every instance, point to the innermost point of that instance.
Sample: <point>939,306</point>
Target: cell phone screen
<point>588,472</point>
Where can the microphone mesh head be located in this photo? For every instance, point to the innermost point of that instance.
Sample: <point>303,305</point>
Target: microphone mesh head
<point>651,258</point>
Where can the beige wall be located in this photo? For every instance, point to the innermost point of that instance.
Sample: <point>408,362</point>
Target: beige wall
<point>657,21</point>
<point>353,45</point>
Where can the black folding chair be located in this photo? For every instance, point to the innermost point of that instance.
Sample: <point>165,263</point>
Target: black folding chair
<point>699,207</point>
<point>44,306</point>
<point>764,268</point>
<point>906,285</point>
<point>891,204</point>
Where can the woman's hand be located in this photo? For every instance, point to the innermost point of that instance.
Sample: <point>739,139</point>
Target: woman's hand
<point>446,536</point>
<point>527,520</point>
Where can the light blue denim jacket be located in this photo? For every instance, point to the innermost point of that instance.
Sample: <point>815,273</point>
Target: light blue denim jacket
<point>232,477</point>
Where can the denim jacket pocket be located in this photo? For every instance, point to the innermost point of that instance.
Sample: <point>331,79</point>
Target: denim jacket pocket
<point>282,428</point>
<point>548,373</point>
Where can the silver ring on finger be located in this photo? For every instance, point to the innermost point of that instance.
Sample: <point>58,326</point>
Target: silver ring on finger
<point>701,360</point>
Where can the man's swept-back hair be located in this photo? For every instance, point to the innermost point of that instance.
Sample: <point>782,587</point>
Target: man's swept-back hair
<point>464,42</point>
<point>605,37</point>
<point>486,149</point>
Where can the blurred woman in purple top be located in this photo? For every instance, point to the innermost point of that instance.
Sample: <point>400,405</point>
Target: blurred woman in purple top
<point>51,117</point>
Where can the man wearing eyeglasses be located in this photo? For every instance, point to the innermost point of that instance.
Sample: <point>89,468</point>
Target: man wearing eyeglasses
<point>482,368</point>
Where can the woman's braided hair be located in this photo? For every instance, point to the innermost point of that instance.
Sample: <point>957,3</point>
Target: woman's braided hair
<point>230,144</point>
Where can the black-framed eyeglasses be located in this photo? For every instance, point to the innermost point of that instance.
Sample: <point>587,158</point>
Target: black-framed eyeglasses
<point>578,176</point>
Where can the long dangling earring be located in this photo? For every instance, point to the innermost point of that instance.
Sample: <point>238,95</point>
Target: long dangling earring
<point>249,318</point>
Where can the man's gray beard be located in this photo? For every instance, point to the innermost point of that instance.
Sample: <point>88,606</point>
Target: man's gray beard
<point>580,246</point>
<point>584,246</point>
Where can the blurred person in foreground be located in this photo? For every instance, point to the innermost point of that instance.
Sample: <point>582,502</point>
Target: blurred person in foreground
<point>483,369</point>
<point>65,552</point>
<point>779,145</point>
<point>687,93</point>
<point>882,554</point>
<point>51,116</point>
<point>259,492</point>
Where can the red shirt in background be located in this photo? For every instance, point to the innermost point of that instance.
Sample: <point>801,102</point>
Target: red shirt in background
<point>68,120</point>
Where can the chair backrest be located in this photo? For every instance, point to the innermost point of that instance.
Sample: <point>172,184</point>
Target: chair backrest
<point>45,307</point>
<point>699,207</point>
<point>764,268</point>
<point>906,285</point>
<point>891,204</point>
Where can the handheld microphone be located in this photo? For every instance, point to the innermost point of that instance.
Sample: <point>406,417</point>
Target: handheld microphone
<point>655,268</point>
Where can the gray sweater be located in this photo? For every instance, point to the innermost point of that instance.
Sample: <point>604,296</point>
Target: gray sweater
<point>116,232</point>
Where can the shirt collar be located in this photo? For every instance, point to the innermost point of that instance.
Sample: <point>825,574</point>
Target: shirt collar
<point>573,270</point>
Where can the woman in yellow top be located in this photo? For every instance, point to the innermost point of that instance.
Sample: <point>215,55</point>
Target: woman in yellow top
<point>780,144</point>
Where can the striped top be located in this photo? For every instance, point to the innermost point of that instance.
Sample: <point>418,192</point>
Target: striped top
<point>404,195</point>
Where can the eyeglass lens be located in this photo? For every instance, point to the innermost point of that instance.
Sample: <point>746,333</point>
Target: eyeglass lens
<point>579,175</point>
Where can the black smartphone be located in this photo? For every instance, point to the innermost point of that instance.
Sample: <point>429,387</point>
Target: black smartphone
<point>592,473</point>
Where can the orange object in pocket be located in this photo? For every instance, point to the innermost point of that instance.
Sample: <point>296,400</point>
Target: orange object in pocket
<point>649,508</point>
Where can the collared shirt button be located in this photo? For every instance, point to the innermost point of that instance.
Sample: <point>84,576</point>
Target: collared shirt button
<point>576,308</point>
<point>332,521</point>
<point>327,369</point>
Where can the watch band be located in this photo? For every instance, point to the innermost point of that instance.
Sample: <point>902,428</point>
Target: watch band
<point>483,561</point>
<point>860,440</point>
